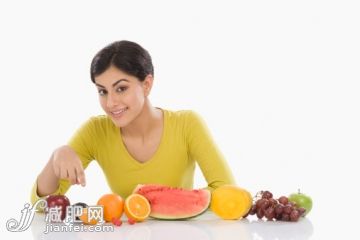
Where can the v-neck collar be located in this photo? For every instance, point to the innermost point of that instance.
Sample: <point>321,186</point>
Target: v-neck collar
<point>153,157</point>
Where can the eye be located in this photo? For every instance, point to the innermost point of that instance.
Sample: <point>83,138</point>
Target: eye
<point>121,89</point>
<point>102,92</point>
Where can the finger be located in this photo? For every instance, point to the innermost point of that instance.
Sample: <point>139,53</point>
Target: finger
<point>56,171</point>
<point>63,173</point>
<point>80,175</point>
<point>72,175</point>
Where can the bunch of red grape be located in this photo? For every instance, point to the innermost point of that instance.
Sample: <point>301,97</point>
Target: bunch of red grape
<point>275,209</point>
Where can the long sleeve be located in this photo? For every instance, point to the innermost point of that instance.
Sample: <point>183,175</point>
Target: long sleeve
<point>83,142</point>
<point>205,152</point>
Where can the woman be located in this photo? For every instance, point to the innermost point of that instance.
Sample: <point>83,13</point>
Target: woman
<point>134,142</point>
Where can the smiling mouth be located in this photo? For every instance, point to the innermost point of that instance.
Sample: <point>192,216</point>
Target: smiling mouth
<point>118,113</point>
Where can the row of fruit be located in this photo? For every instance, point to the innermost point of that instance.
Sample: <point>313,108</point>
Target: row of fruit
<point>162,202</point>
<point>232,202</point>
<point>136,208</point>
<point>284,208</point>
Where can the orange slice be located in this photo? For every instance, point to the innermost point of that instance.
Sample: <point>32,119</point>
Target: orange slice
<point>84,218</point>
<point>137,207</point>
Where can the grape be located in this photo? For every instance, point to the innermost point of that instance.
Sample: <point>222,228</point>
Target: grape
<point>279,208</point>
<point>265,204</point>
<point>260,202</point>
<point>278,216</point>
<point>287,209</point>
<point>273,202</point>
<point>267,195</point>
<point>301,211</point>
<point>252,210</point>
<point>270,213</point>
<point>260,213</point>
<point>283,200</point>
<point>294,215</point>
<point>285,217</point>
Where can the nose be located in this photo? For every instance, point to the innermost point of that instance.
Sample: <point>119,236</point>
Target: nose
<point>111,100</point>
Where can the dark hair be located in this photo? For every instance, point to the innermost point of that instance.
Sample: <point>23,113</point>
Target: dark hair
<point>127,56</point>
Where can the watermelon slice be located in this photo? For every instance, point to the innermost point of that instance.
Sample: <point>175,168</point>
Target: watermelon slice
<point>171,203</point>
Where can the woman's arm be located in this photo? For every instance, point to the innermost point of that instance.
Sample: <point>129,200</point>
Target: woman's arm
<point>204,150</point>
<point>67,163</point>
<point>63,164</point>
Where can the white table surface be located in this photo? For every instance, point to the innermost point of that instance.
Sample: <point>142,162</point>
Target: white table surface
<point>206,226</point>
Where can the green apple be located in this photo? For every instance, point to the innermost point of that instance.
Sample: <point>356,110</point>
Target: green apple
<point>301,200</point>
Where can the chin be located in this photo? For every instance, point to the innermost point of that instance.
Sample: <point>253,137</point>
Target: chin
<point>119,123</point>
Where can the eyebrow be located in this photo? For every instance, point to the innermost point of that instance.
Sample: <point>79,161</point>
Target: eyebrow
<point>114,84</point>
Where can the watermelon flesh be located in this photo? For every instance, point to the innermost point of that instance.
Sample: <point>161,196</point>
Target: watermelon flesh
<point>171,203</point>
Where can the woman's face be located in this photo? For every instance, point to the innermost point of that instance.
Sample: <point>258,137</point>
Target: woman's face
<point>122,96</point>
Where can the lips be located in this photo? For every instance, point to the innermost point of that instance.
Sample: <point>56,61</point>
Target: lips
<point>118,112</point>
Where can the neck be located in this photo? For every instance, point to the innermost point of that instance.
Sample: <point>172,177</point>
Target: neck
<point>144,123</point>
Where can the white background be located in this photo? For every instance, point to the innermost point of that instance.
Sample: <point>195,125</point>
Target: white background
<point>276,81</point>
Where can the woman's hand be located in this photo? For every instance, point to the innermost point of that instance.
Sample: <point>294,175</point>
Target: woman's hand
<point>67,165</point>
<point>64,163</point>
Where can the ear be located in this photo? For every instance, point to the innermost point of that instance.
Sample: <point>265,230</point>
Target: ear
<point>147,84</point>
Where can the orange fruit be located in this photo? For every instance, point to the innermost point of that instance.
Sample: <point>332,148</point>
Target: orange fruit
<point>230,202</point>
<point>84,217</point>
<point>137,207</point>
<point>113,206</point>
